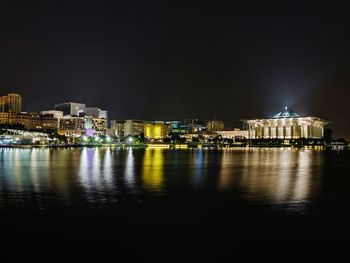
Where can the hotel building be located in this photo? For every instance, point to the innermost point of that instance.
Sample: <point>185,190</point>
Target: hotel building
<point>286,125</point>
<point>11,103</point>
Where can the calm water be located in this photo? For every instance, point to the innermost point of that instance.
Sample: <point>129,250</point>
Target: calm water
<point>146,204</point>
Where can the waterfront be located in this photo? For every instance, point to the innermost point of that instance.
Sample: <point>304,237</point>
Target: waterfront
<point>145,203</point>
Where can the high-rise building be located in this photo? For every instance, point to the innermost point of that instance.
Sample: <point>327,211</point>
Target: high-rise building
<point>133,127</point>
<point>11,103</point>
<point>71,108</point>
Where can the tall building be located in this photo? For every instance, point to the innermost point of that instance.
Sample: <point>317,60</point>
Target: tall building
<point>133,127</point>
<point>215,125</point>
<point>71,108</point>
<point>11,103</point>
<point>156,130</point>
<point>286,125</point>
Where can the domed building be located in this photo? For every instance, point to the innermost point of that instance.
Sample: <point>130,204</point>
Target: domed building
<point>286,125</point>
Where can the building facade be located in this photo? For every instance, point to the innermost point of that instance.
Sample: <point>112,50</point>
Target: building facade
<point>96,112</point>
<point>156,130</point>
<point>11,103</point>
<point>286,125</point>
<point>117,128</point>
<point>71,126</point>
<point>234,134</point>
<point>215,125</point>
<point>133,127</point>
<point>71,108</point>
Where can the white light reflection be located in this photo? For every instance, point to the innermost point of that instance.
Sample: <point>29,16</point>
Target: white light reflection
<point>130,170</point>
<point>96,174</point>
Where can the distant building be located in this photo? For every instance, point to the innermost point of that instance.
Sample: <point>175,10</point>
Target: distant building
<point>133,127</point>
<point>71,108</point>
<point>233,134</point>
<point>215,125</point>
<point>33,121</point>
<point>99,125</point>
<point>11,103</point>
<point>286,125</point>
<point>96,112</point>
<point>55,113</point>
<point>4,117</point>
<point>178,127</point>
<point>156,130</point>
<point>71,126</point>
<point>195,125</point>
<point>117,128</point>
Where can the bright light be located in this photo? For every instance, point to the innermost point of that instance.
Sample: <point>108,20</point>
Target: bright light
<point>108,139</point>
<point>130,140</point>
<point>85,138</point>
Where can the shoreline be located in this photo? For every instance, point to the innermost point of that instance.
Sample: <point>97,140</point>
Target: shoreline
<point>175,146</point>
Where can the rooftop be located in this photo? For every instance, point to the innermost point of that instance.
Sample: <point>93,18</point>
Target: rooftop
<point>286,113</point>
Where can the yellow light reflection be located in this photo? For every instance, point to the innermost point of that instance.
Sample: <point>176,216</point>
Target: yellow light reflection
<point>152,169</point>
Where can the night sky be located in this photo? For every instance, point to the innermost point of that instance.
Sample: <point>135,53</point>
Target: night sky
<point>170,60</point>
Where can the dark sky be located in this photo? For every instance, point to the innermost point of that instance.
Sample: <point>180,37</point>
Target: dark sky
<point>174,60</point>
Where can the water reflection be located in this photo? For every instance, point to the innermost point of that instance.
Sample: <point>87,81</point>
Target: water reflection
<point>152,169</point>
<point>280,176</point>
<point>97,175</point>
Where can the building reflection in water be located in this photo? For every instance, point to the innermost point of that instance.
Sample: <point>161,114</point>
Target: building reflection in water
<point>273,175</point>
<point>97,175</point>
<point>199,167</point>
<point>129,172</point>
<point>152,169</point>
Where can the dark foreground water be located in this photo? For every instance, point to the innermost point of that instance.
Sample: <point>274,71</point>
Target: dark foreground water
<point>154,205</point>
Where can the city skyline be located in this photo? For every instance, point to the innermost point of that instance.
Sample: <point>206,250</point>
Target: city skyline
<point>174,61</point>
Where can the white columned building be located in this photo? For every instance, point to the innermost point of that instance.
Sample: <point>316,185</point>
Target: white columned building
<point>286,125</point>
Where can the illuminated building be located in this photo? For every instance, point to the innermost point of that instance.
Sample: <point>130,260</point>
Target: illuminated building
<point>71,108</point>
<point>233,134</point>
<point>215,125</point>
<point>71,126</point>
<point>195,125</point>
<point>4,117</point>
<point>286,125</point>
<point>99,125</point>
<point>56,113</point>
<point>96,112</point>
<point>31,120</point>
<point>117,128</point>
<point>156,130</point>
<point>133,127</point>
<point>178,127</point>
<point>11,103</point>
